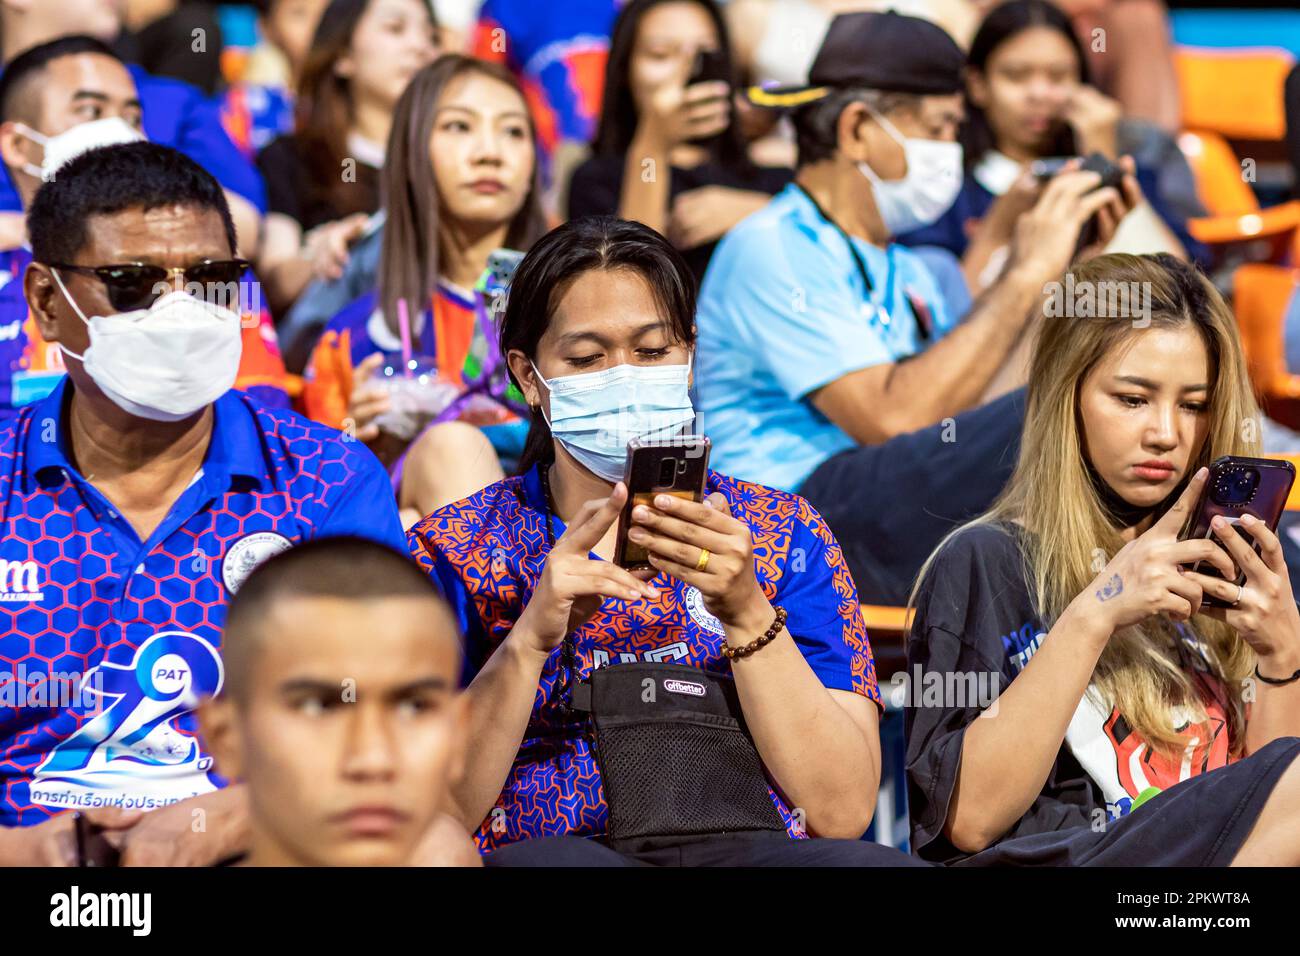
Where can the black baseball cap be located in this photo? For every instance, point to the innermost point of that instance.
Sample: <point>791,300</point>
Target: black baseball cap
<point>875,51</point>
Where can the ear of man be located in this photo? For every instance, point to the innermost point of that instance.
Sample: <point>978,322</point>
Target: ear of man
<point>217,728</point>
<point>41,292</point>
<point>14,146</point>
<point>525,376</point>
<point>852,132</point>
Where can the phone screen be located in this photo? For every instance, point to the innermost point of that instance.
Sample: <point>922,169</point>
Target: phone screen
<point>679,469</point>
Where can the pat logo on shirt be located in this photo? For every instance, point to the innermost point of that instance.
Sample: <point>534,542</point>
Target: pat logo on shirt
<point>247,553</point>
<point>20,582</point>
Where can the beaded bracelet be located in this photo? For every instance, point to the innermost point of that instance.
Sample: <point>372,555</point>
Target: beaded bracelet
<point>768,637</point>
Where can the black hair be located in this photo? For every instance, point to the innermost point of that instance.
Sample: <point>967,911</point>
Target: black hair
<point>109,180</point>
<point>817,125</point>
<point>1004,22</point>
<point>20,72</point>
<point>342,566</point>
<point>324,107</point>
<point>563,254</point>
<point>618,117</point>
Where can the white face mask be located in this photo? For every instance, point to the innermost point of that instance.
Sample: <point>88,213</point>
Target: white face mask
<point>165,362</point>
<point>71,143</point>
<point>595,414</point>
<point>928,189</point>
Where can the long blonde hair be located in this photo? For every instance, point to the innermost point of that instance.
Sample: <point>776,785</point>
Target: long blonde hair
<point>1051,494</point>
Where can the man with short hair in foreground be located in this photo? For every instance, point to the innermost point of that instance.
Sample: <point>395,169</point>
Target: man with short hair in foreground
<point>341,711</point>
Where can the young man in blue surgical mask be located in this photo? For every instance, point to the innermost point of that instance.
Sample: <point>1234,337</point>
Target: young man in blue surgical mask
<point>598,333</point>
<point>828,362</point>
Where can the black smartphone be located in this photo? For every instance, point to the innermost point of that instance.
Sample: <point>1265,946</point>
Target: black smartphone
<point>1239,486</point>
<point>93,848</point>
<point>710,66</point>
<point>1112,174</point>
<point>678,466</point>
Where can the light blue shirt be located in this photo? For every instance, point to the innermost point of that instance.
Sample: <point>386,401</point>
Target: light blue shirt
<point>783,311</point>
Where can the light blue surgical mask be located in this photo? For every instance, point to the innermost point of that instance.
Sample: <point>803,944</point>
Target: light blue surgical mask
<point>595,414</point>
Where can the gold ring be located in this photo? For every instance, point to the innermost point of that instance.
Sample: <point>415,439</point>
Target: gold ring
<point>703,563</point>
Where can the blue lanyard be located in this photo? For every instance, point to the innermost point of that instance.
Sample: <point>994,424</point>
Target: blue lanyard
<point>861,266</point>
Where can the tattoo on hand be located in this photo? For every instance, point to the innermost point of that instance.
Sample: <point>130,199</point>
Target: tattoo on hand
<point>1112,588</point>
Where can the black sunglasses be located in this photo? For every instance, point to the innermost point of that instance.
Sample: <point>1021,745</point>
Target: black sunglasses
<point>135,285</point>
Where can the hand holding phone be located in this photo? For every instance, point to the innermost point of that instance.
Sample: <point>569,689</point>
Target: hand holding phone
<point>93,847</point>
<point>678,467</point>
<point>1237,487</point>
<point>692,537</point>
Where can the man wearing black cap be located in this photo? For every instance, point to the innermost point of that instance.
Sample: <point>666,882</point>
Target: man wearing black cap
<point>828,362</point>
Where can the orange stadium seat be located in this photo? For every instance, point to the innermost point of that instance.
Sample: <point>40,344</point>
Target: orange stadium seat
<point>1236,92</point>
<point>1234,211</point>
<point>1293,500</point>
<point>1259,299</point>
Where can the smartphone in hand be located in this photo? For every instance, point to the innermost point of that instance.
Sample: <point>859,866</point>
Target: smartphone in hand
<point>93,848</point>
<point>678,466</point>
<point>710,67</point>
<point>1239,486</point>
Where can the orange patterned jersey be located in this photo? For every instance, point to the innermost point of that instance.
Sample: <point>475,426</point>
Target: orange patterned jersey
<point>486,553</point>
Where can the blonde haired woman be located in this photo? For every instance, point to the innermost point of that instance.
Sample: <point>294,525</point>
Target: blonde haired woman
<point>1130,726</point>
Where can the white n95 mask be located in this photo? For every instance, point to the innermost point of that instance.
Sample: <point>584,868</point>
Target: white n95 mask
<point>595,414</point>
<point>929,188</point>
<point>71,143</point>
<point>165,362</point>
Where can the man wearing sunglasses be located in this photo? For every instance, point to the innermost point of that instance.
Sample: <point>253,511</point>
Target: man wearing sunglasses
<point>134,500</point>
<point>57,100</point>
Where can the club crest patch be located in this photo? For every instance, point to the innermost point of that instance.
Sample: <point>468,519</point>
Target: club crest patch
<point>247,553</point>
<point>701,614</point>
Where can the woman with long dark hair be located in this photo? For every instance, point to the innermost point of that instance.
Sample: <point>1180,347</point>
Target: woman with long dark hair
<point>746,590</point>
<point>669,151</point>
<point>1099,711</point>
<point>460,181</point>
<point>1028,97</point>
<point>323,180</point>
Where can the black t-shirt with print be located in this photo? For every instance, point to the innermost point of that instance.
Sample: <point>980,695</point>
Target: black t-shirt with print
<point>976,622</point>
<point>975,615</point>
